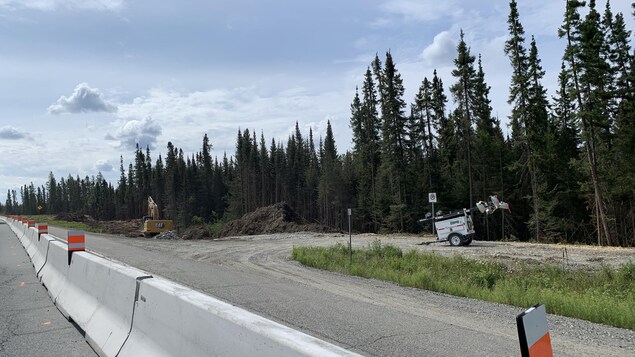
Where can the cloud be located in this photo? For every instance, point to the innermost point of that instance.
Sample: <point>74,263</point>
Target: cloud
<point>143,132</point>
<point>11,133</point>
<point>221,112</point>
<point>420,10</point>
<point>84,99</point>
<point>103,166</point>
<point>441,51</point>
<point>51,5</point>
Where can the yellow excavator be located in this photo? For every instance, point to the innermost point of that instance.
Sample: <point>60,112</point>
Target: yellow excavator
<point>152,225</point>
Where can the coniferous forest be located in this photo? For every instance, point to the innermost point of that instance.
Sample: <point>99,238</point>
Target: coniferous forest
<point>567,166</point>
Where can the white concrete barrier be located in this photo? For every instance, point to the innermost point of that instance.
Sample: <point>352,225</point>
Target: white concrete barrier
<point>39,258</point>
<point>17,227</point>
<point>100,298</point>
<point>20,231</point>
<point>54,273</point>
<point>173,320</point>
<point>125,312</point>
<point>31,237</point>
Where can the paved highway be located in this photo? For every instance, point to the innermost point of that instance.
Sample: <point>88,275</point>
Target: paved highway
<point>30,325</point>
<point>366,316</point>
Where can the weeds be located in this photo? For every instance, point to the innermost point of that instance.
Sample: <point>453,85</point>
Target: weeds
<point>65,224</point>
<point>606,296</point>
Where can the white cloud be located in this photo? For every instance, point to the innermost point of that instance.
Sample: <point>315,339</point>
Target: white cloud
<point>421,10</point>
<point>84,99</point>
<point>10,133</point>
<point>143,132</point>
<point>50,5</point>
<point>186,116</point>
<point>441,51</point>
<point>103,166</point>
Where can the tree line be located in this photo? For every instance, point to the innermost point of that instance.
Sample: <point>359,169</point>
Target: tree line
<point>566,167</point>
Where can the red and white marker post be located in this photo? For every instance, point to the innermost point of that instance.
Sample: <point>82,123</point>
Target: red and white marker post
<point>533,332</point>
<point>76,243</point>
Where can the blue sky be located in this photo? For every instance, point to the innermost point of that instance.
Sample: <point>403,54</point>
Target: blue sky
<point>82,81</point>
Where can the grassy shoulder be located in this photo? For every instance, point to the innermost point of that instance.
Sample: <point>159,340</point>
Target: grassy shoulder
<point>51,221</point>
<point>606,296</point>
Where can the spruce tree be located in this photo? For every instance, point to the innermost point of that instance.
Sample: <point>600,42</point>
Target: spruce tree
<point>589,75</point>
<point>392,166</point>
<point>463,92</point>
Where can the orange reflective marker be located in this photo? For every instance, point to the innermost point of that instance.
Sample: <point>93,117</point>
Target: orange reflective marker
<point>76,243</point>
<point>31,223</point>
<point>533,332</point>
<point>42,228</point>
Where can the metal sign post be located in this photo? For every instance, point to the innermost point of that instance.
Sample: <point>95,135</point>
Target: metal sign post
<point>350,238</point>
<point>432,198</point>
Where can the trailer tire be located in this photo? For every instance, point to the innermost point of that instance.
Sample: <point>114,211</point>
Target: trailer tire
<point>455,239</point>
<point>467,241</point>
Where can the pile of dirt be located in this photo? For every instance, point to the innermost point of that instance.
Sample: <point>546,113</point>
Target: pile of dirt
<point>131,228</point>
<point>71,217</point>
<point>196,232</point>
<point>277,218</point>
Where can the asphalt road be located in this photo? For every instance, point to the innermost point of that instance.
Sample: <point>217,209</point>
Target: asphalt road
<point>30,325</point>
<point>366,316</point>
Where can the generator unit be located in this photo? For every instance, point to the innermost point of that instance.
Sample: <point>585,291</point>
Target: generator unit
<point>457,228</point>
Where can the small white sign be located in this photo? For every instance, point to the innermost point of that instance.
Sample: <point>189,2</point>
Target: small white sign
<point>432,197</point>
<point>350,211</point>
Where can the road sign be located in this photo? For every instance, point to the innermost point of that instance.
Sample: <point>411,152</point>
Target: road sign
<point>432,197</point>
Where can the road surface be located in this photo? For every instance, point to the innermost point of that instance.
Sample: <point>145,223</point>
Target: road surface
<point>30,324</point>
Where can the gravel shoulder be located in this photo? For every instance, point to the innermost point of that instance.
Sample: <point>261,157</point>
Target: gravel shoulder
<point>369,316</point>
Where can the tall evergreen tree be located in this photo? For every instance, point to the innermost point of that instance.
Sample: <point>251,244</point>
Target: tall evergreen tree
<point>463,92</point>
<point>589,71</point>
<point>392,166</point>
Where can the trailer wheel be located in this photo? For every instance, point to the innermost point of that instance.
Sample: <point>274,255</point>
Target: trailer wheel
<point>455,239</point>
<point>468,241</point>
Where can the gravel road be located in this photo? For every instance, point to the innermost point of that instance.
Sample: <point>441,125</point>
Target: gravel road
<point>368,316</point>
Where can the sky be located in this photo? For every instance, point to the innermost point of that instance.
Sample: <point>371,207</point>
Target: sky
<point>83,81</point>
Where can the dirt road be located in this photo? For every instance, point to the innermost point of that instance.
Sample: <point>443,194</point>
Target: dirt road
<point>367,316</point>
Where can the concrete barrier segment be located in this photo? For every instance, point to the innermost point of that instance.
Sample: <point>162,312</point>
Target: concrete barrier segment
<point>20,232</point>
<point>31,237</point>
<point>100,298</point>
<point>173,320</point>
<point>41,253</point>
<point>54,274</point>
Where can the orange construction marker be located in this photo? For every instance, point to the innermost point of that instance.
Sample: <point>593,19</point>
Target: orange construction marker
<point>76,243</point>
<point>31,223</point>
<point>42,228</point>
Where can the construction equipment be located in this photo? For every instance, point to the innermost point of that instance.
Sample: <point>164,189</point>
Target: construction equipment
<point>457,228</point>
<point>152,225</point>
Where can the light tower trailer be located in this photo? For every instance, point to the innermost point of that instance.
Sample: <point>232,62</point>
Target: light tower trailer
<point>456,228</point>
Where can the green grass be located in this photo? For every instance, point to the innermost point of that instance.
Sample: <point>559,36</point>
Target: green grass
<point>606,296</point>
<point>43,218</point>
